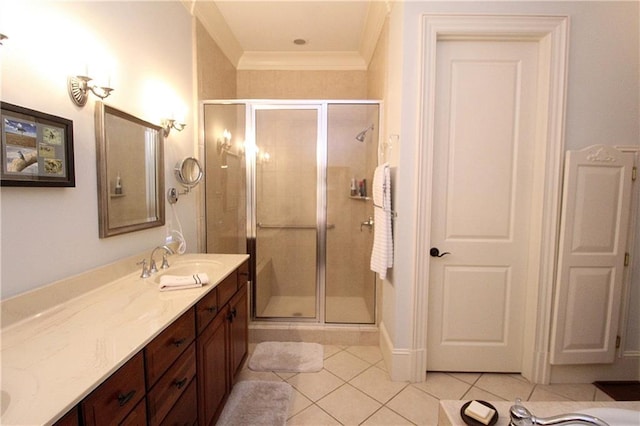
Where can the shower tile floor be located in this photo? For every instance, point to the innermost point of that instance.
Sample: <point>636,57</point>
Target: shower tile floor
<point>354,388</point>
<point>350,310</point>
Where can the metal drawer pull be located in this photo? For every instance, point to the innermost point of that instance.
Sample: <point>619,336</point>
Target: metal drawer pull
<point>179,342</point>
<point>124,398</point>
<point>212,309</point>
<point>180,383</point>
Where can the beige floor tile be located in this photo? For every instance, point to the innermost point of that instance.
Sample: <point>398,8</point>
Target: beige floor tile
<point>443,386</point>
<point>299,402</point>
<point>482,395</point>
<point>371,354</point>
<point>312,416</point>
<point>575,392</point>
<point>416,406</point>
<point>377,384</point>
<point>348,405</point>
<point>345,365</point>
<point>382,366</point>
<point>470,378</point>
<point>315,385</point>
<point>246,374</point>
<point>542,394</point>
<point>386,417</point>
<point>505,386</point>
<point>331,350</point>
<point>601,396</point>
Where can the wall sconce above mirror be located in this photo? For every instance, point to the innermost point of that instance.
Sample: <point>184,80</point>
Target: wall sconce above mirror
<point>189,173</point>
<point>224,143</point>
<point>79,87</point>
<point>169,123</point>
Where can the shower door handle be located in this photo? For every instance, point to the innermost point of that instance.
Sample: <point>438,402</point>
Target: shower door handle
<point>369,222</point>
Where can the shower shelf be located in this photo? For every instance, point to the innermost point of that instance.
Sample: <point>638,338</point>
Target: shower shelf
<point>357,197</point>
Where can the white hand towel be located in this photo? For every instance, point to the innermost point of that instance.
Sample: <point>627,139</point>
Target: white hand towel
<point>382,252</point>
<point>178,282</point>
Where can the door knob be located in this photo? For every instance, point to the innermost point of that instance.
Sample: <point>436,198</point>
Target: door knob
<point>434,252</point>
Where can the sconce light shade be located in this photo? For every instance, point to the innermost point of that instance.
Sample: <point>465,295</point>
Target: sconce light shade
<point>224,143</point>
<point>169,123</point>
<point>79,86</point>
<point>2,38</point>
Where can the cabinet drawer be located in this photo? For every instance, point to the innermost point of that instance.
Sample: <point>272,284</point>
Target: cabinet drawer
<point>243,273</point>
<point>185,412</point>
<point>206,309</point>
<point>171,386</point>
<point>162,351</point>
<point>227,288</point>
<point>138,417</point>
<point>117,396</point>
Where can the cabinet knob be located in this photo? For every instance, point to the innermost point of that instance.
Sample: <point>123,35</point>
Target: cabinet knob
<point>180,383</point>
<point>124,398</point>
<point>179,342</point>
<point>212,309</point>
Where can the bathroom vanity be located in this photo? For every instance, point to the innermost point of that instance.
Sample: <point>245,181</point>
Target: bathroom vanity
<point>121,351</point>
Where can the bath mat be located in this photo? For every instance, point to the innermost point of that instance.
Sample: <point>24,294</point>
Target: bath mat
<point>621,391</point>
<point>256,402</point>
<point>287,357</point>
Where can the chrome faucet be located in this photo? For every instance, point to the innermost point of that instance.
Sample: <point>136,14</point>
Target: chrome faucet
<point>165,263</point>
<point>520,416</point>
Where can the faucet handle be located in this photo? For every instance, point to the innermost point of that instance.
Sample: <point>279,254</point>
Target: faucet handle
<point>152,267</point>
<point>520,416</point>
<point>165,262</point>
<point>145,272</point>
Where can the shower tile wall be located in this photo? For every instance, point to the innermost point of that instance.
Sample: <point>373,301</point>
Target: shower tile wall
<point>276,84</point>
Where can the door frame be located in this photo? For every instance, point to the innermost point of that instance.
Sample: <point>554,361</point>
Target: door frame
<point>551,34</point>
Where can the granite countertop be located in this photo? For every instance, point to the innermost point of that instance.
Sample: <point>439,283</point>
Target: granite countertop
<point>449,413</point>
<point>53,358</point>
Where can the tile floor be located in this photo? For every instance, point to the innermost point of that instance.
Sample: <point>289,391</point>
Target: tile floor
<point>354,389</point>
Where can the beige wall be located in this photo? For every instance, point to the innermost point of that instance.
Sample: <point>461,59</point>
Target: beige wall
<point>273,84</point>
<point>377,71</point>
<point>216,74</point>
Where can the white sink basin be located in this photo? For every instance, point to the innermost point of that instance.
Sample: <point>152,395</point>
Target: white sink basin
<point>191,267</point>
<point>614,416</point>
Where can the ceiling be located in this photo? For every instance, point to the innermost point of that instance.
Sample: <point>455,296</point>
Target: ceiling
<point>260,34</point>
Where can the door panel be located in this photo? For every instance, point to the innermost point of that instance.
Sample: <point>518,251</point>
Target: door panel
<point>485,116</point>
<point>594,227</point>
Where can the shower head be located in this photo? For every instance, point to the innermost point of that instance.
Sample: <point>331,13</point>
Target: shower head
<point>360,136</point>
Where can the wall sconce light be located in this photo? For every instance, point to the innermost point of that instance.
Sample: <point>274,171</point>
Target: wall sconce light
<point>169,123</point>
<point>224,144</point>
<point>2,38</point>
<point>79,87</point>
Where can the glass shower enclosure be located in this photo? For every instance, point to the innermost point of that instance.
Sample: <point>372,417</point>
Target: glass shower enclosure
<point>308,170</point>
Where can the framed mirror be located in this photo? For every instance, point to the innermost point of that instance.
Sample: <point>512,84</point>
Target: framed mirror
<point>130,162</point>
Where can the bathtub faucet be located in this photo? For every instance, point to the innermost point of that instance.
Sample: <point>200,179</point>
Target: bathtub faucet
<point>520,416</point>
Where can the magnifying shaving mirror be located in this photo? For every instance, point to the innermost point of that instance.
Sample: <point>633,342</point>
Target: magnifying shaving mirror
<point>188,173</point>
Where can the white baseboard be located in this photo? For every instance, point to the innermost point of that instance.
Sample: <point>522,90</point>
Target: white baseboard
<point>398,361</point>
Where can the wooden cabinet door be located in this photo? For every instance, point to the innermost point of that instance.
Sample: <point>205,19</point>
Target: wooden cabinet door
<point>238,330</point>
<point>212,368</point>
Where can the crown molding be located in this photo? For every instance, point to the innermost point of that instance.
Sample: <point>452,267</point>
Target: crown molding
<point>327,61</point>
<point>376,17</point>
<point>213,21</point>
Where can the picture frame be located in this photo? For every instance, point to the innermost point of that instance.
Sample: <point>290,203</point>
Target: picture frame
<point>36,148</point>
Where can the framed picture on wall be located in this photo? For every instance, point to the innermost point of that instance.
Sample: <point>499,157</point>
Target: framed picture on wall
<point>37,148</point>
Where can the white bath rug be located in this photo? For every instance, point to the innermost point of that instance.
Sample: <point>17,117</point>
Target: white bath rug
<point>289,357</point>
<point>256,402</point>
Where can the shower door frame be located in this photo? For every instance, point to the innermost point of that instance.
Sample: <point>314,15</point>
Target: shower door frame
<point>321,106</point>
<point>321,200</point>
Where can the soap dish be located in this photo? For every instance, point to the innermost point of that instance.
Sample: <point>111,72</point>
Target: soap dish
<point>473,422</point>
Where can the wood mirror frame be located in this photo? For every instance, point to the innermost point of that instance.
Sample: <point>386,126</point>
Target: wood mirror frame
<point>130,165</point>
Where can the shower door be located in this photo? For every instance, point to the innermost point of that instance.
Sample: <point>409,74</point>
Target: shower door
<point>286,211</point>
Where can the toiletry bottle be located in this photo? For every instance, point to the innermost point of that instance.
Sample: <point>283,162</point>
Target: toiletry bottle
<point>354,191</point>
<point>118,185</point>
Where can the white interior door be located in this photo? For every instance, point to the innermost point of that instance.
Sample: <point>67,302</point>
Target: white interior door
<point>593,240</point>
<point>484,142</point>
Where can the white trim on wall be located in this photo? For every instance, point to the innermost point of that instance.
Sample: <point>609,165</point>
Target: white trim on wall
<point>551,32</point>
